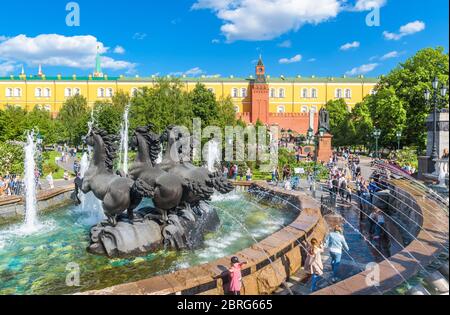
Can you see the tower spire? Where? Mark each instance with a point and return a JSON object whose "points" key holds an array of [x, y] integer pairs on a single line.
{"points": [[40, 73], [98, 64]]}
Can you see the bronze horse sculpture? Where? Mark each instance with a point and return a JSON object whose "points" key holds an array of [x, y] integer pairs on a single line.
{"points": [[165, 189], [179, 191], [114, 191]]}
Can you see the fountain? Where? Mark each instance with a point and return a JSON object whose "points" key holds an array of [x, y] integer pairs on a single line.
{"points": [[31, 221], [179, 214], [123, 164], [213, 155]]}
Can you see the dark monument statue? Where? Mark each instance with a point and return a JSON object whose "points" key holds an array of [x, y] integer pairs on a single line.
{"points": [[180, 192], [324, 120]]}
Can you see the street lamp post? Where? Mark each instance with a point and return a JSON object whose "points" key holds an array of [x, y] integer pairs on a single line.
{"points": [[435, 102], [376, 135], [399, 138]]}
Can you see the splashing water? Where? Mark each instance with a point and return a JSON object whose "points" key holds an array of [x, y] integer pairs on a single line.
{"points": [[213, 155], [31, 221], [124, 141], [90, 205]]}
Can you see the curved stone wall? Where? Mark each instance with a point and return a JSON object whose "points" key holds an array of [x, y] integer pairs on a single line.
{"points": [[431, 240], [13, 207], [259, 276]]}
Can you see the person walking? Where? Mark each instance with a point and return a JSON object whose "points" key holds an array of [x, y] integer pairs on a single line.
{"points": [[50, 180], [335, 242], [313, 263], [248, 175]]}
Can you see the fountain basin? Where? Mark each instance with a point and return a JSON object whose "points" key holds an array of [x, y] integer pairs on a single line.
{"points": [[37, 264], [430, 242]]}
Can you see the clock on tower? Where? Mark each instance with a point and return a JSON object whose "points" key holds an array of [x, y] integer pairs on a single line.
{"points": [[260, 71]]}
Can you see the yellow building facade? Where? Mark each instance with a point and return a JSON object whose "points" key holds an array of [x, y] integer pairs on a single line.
{"points": [[286, 95]]}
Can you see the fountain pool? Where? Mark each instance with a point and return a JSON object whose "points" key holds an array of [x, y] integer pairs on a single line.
{"points": [[36, 263]]}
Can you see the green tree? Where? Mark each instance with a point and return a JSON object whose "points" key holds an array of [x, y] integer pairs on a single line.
{"points": [[409, 81], [163, 105], [204, 105], [388, 115], [12, 123], [108, 117], [339, 122], [74, 116], [361, 125], [11, 159], [42, 121]]}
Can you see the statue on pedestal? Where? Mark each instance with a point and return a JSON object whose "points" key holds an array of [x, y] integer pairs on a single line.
{"points": [[324, 120]]}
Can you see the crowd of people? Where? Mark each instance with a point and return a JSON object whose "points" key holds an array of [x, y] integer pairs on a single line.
{"points": [[235, 172], [11, 185]]}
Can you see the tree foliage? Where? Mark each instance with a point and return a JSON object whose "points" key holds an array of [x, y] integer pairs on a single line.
{"points": [[339, 121], [73, 117], [408, 81]]}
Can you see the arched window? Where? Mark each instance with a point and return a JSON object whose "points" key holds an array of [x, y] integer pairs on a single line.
{"points": [[235, 92], [282, 93], [48, 108], [17, 92], [38, 92], [9, 92], [304, 109], [273, 93], [314, 93], [109, 92], [76, 91], [372, 92], [338, 93], [212, 90], [280, 109], [47, 92], [101, 92], [305, 93], [314, 109], [236, 109], [134, 91], [244, 92], [67, 92], [348, 93]]}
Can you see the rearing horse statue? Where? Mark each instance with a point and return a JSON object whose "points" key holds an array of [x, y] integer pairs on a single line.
{"points": [[114, 191], [165, 189]]}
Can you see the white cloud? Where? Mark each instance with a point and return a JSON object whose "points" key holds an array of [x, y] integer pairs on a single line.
{"points": [[139, 36], [7, 68], [255, 20], [58, 50], [296, 58], [362, 69], [285, 44], [3, 38], [368, 5], [348, 46], [390, 55], [405, 30], [119, 50], [215, 41], [196, 71], [312, 60]]}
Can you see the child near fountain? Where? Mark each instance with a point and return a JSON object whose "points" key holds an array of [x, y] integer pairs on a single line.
{"points": [[236, 276]]}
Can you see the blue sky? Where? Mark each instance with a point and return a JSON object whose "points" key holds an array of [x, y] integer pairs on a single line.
{"points": [[219, 37]]}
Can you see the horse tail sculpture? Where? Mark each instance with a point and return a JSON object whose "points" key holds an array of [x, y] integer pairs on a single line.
{"points": [[141, 189], [200, 191], [221, 184]]}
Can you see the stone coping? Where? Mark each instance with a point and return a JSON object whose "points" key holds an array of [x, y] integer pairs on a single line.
{"points": [[429, 244], [259, 275], [42, 195]]}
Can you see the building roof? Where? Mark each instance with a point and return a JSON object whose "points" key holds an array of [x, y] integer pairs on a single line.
{"points": [[197, 79]]}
